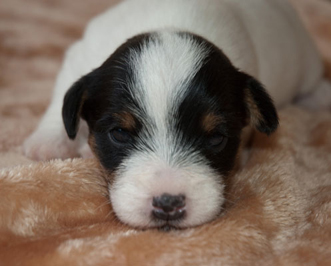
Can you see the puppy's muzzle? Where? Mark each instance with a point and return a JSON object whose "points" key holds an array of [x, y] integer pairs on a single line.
{"points": [[168, 207]]}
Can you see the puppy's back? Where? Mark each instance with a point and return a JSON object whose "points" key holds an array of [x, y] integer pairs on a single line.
{"points": [[263, 38]]}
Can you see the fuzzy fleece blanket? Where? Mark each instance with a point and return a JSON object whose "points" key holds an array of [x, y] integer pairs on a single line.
{"points": [[278, 209]]}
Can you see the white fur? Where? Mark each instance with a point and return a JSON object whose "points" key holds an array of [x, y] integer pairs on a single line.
{"points": [[263, 38], [162, 71], [145, 175]]}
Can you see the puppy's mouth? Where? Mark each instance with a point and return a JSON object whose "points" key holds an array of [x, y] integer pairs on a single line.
{"points": [[168, 228], [168, 217], [168, 224]]}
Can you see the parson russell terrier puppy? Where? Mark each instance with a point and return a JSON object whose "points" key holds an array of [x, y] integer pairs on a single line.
{"points": [[162, 91]]}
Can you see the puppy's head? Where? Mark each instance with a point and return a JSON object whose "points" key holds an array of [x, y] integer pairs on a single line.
{"points": [[165, 114]]}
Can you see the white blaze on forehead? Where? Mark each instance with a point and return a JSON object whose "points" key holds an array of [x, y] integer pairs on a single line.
{"points": [[163, 70]]}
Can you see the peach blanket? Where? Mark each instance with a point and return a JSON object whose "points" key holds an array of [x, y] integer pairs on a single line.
{"points": [[57, 213]]}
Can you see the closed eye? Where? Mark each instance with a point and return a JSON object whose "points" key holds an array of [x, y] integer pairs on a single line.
{"points": [[217, 141], [120, 136]]}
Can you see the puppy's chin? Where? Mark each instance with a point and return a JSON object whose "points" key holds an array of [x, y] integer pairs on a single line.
{"points": [[145, 176]]}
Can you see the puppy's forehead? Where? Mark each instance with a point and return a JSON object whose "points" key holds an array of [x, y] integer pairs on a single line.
{"points": [[163, 70]]}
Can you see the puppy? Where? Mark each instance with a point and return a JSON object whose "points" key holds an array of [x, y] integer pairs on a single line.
{"points": [[162, 90]]}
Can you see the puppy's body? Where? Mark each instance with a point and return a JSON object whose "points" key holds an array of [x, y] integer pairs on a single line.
{"points": [[262, 38], [153, 83]]}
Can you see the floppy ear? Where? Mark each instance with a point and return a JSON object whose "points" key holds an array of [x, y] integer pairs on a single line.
{"points": [[261, 110], [72, 107]]}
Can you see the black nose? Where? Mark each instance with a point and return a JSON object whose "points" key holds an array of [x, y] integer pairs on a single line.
{"points": [[169, 207]]}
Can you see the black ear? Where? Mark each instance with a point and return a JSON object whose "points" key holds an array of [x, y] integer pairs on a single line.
{"points": [[72, 107], [262, 113]]}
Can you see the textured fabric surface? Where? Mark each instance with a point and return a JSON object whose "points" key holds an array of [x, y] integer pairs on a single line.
{"points": [[278, 209]]}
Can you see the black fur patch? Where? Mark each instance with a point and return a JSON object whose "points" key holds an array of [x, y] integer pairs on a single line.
{"points": [[217, 88], [106, 94]]}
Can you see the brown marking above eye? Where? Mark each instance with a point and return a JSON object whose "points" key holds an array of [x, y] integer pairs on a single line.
{"points": [[210, 121], [126, 121]]}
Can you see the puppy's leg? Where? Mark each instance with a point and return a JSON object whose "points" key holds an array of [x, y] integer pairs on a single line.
{"points": [[50, 140], [319, 99]]}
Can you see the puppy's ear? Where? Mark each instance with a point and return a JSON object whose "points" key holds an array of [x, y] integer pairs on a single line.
{"points": [[262, 113], [72, 106]]}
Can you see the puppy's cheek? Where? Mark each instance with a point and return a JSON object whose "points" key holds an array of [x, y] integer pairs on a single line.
{"points": [[139, 180], [131, 203], [204, 204], [92, 145]]}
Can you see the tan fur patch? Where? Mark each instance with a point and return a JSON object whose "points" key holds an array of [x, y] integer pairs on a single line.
{"points": [[91, 142], [210, 121], [109, 177], [255, 114], [126, 120]]}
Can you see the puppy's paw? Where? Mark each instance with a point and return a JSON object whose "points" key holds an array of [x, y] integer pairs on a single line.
{"points": [[46, 145]]}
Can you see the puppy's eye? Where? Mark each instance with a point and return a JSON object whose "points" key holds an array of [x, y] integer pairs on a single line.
{"points": [[120, 136], [217, 141]]}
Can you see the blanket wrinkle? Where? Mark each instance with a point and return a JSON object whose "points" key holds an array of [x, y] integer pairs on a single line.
{"points": [[278, 205]]}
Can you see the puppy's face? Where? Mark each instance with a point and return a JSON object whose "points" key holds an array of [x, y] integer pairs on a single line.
{"points": [[165, 114]]}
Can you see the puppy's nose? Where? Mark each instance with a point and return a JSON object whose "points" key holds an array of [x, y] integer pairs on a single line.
{"points": [[169, 207]]}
